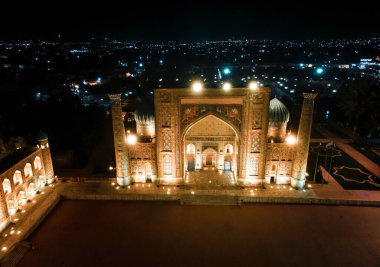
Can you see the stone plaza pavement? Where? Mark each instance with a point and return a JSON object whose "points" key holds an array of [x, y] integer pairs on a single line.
{"points": [[12, 241], [352, 152]]}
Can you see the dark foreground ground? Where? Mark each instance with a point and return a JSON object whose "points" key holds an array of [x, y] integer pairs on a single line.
{"points": [[110, 233]]}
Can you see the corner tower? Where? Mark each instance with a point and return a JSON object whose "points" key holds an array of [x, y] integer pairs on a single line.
{"points": [[278, 120], [303, 141], [43, 143], [121, 155]]}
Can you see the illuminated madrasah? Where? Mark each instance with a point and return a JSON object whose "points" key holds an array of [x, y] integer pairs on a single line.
{"points": [[199, 132]]}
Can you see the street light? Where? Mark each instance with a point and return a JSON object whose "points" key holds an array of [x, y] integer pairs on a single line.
{"points": [[197, 87]]}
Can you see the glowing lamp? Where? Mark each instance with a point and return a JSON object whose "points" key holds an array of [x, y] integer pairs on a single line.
{"points": [[131, 139], [290, 139], [197, 87], [227, 86], [253, 86]]}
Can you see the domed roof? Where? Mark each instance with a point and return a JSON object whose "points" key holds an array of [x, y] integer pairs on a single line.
{"points": [[278, 113], [144, 111], [41, 136], [130, 103]]}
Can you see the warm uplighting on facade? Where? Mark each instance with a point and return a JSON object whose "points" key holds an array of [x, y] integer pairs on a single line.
{"points": [[197, 87], [131, 139], [253, 86], [227, 87], [291, 139]]}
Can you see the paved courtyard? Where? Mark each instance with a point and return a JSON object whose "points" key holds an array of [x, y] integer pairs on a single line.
{"points": [[121, 233], [207, 179]]}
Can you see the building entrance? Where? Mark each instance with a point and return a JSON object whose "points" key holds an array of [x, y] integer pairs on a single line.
{"points": [[209, 151]]}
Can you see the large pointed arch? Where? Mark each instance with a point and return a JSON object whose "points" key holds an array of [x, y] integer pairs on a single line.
{"points": [[210, 133], [200, 118]]}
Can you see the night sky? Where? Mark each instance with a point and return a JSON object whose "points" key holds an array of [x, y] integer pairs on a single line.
{"points": [[190, 20]]}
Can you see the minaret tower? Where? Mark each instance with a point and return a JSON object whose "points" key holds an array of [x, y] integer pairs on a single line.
{"points": [[43, 143], [303, 140], [121, 155]]}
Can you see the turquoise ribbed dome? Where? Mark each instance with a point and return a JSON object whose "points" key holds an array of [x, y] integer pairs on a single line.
{"points": [[278, 113], [41, 136], [145, 113]]}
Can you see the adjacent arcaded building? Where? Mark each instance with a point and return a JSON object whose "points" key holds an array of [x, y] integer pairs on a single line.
{"points": [[23, 174], [240, 132]]}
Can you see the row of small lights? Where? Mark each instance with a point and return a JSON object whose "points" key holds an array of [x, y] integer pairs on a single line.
{"points": [[13, 230], [198, 86], [168, 189], [290, 188], [252, 193]]}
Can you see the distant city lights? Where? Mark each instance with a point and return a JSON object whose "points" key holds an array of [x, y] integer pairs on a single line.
{"points": [[226, 71], [320, 70]]}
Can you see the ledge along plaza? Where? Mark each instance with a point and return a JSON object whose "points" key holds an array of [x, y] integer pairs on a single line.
{"points": [[192, 183]]}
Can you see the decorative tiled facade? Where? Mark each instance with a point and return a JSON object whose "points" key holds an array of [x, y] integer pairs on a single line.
{"points": [[218, 131]]}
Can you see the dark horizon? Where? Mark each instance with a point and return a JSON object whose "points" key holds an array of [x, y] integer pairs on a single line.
{"points": [[190, 21]]}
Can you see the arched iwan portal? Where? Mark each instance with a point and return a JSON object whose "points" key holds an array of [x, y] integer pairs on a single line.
{"points": [[204, 149]]}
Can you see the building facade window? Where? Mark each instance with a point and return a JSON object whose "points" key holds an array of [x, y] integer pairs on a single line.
{"points": [[28, 170], [167, 165]]}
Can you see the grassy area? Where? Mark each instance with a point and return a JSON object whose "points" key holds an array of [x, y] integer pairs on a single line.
{"points": [[367, 152], [346, 169]]}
